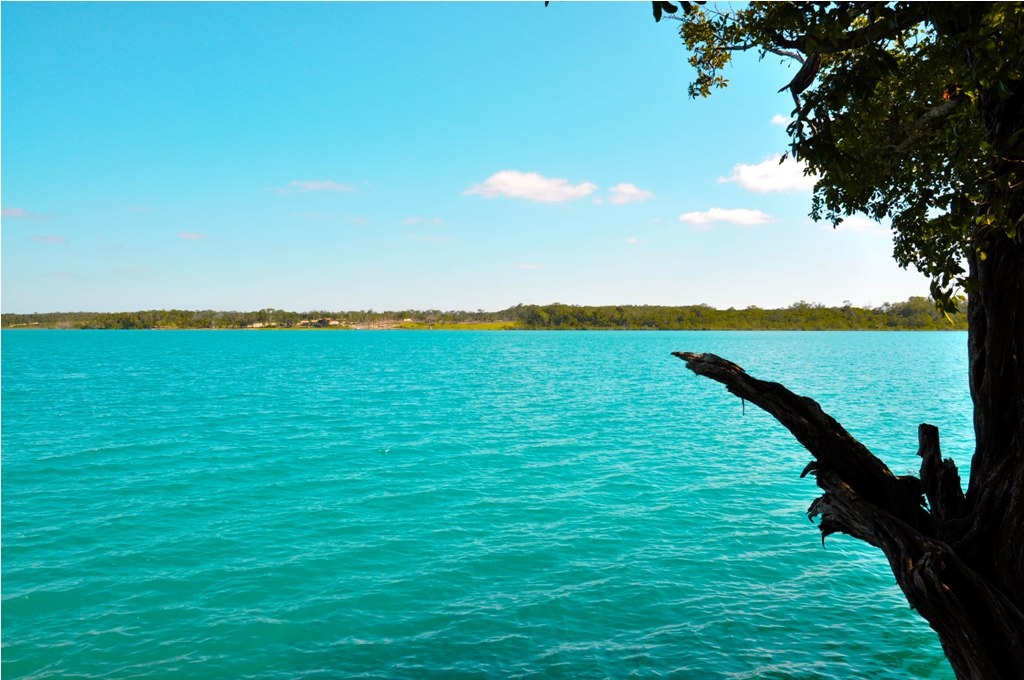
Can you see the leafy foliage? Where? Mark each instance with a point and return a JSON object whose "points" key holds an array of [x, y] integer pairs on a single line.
{"points": [[890, 115]]}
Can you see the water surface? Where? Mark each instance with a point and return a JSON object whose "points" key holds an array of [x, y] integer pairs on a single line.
{"points": [[336, 504]]}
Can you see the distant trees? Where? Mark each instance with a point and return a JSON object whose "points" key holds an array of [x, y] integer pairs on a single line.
{"points": [[917, 313]]}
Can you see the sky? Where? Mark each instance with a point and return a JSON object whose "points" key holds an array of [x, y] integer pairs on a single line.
{"points": [[394, 156]]}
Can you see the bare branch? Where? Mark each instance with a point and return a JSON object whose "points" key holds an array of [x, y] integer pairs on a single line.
{"points": [[885, 29], [804, 77], [978, 624], [918, 128], [790, 54], [831, 445]]}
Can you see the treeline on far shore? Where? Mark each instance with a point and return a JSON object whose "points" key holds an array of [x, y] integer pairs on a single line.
{"points": [[917, 313]]}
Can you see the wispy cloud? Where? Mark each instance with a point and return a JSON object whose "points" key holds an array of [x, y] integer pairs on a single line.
{"points": [[190, 236], [742, 216], [421, 220], [131, 272], [779, 119], [19, 214], [430, 238], [625, 192], [633, 241], [529, 266], [530, 186], [297, 186], [50, 239], [771, 175]]}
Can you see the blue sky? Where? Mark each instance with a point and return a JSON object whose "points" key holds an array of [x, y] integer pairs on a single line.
{"points": [[344, 156]]}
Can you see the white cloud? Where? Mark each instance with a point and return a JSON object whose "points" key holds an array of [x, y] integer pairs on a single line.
{"points": [[190, 235], [779, 119], [742, 216], [628, 193], [771, 175], [531, 186], [19, 214], [529, 266], [315, 185], [633, 241], [50, 239]]}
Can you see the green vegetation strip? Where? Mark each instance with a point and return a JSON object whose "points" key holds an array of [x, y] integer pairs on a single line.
{"points": [[917, 313]]}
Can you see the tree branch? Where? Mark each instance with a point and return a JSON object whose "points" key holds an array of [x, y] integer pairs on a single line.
{"points": [[832, 446], [916, 129], [978, 624], [896, 23]]}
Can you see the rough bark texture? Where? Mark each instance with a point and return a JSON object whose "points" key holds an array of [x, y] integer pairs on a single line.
{"points": [[956, 560]]}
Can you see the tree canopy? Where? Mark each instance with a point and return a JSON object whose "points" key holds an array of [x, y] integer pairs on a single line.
{"points": [[895, 109]]}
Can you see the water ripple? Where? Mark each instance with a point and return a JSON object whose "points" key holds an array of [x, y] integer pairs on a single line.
{"points": [[445, 505]]}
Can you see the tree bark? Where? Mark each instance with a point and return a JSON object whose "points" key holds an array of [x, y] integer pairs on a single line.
{"points": [[944, 555], [994, 540]]}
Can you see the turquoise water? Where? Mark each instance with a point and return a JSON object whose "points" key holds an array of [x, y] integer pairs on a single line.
{"points": [[448, 505]]}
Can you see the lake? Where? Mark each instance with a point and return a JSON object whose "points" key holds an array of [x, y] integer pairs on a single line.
{"points": [[431, 504]]}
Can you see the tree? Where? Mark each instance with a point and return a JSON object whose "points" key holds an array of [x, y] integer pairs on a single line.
{"points": [[914, 112]]}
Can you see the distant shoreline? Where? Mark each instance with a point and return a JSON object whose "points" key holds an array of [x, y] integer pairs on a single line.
{"points": [[917, 313], [471, 329]]}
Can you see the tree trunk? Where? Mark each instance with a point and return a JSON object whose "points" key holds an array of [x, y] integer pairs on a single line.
{"points": [[959, 559], [993, 541]]}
